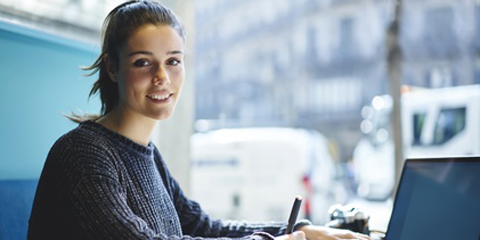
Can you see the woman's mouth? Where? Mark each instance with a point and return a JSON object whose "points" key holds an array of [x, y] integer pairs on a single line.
{"points": [[160, 98]]}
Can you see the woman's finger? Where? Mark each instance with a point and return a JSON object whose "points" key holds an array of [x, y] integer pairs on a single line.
{"points": [[299, 235]]}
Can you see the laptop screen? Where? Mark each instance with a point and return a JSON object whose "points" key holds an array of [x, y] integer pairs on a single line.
{"points": [[437, 199]]}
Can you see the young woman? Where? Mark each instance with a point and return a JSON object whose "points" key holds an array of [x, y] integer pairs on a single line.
{"points": [[105, 179]]}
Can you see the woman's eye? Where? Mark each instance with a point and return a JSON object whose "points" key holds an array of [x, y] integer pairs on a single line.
{"points": [[173, 62], [141, 63]]}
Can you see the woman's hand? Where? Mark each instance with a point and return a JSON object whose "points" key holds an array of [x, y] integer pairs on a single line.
{"points": [[298, 235], [324, 233]]}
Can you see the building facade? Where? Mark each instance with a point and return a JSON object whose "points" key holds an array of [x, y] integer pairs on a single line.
{"points": [[316, 63]]}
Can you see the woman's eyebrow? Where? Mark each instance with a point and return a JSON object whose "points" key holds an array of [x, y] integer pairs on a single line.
{"points": [[174, 52], [140, 52], [150, 53]]}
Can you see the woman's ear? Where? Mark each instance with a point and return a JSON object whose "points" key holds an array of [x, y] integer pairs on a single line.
{"points": [[111, 68]]}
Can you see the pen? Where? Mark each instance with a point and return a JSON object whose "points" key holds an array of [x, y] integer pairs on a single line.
{"points": [[293, 215]]}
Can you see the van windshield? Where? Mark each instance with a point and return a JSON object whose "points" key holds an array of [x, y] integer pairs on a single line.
{"points": [[450, 122]]}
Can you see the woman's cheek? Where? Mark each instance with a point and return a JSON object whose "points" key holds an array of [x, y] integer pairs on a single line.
{"points": [[138, 76], [178, 74]]}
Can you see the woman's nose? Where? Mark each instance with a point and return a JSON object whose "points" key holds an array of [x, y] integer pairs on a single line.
{"points": [[161, 76]]}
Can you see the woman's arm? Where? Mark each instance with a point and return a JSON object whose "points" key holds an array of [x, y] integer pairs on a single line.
{"points": [[99, 205], [196, 222], [93, 200], [102, 212]]}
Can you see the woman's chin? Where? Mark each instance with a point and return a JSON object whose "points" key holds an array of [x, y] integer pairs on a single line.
{"points": [[162, 116]]}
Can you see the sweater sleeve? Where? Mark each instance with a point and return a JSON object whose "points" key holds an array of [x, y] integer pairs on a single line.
{"points": [[196, 222], [99, 204], [103, 213]]}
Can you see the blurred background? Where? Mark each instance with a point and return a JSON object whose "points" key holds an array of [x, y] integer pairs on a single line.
{"points": [[283, 97]]}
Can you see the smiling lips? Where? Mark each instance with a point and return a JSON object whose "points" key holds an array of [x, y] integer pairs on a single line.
{"points": [[160, 96]]}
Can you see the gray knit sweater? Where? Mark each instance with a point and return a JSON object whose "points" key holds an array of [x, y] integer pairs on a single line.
{"points": [[97, 184]]}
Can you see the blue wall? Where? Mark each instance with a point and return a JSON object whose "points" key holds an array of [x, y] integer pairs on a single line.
{"points": [[40, 78]]}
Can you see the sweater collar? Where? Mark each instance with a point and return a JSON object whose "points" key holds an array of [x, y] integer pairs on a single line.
{"points": [[127, 142]]}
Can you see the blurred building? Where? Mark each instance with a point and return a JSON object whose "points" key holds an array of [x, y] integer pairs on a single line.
{"points": [[315, 63]]}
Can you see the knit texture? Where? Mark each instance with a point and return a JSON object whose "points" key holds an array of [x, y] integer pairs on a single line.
{"points": [[97, 184]]}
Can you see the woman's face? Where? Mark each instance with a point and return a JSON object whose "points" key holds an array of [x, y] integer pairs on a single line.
{"points": [[150, 72]]}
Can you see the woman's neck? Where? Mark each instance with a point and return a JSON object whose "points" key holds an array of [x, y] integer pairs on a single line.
{"points": [[133, 126]]}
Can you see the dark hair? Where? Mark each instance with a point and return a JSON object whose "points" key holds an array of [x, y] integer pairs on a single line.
{"points": [[120, 24]]}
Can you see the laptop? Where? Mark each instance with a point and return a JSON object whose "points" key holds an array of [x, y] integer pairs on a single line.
{"points": [[437, 198]]}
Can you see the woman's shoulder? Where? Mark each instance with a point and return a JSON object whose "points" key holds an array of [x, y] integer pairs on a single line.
{"points": [[88, 131], [82, 153], [87, 137], [81, 148]]}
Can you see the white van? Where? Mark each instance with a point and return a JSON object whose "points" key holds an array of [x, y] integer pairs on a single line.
{"points": [[442, 121], [255, 173], [435, 122]]}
